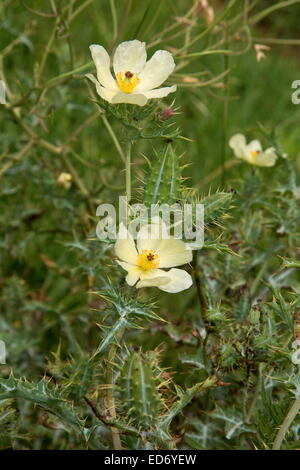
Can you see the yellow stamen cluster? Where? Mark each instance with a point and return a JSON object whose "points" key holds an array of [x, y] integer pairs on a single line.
{"points": [[127, 81], [148, 260], [253, 154]]}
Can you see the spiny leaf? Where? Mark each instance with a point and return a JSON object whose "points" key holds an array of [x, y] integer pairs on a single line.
{"points": [[290, 263], [234, 422], [163, 180], [111, 336], [128, 311], [204, 435], [138, 389], [185, 397], [220, 247], [216, 206], [282, 308], [43, 395]]}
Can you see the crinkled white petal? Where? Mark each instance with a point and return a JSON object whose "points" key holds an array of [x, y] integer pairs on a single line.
{"points": [[153, 278], [104, 93], [254, 146], [156, 70], [179, 280], [160, 92], [150, 235], [133, 272], [172, 281], [130, 56], [125, 247], [131, 98], [238, 144], [252, 150], [267, 158], [152, 273], [102, 62], [173, 253]]}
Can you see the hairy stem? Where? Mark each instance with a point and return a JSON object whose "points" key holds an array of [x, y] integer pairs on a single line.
{"points": [[114, 18], [113, 136], [110, 397], [225, 110], [201, 296], [112, 351], [294, 410]]}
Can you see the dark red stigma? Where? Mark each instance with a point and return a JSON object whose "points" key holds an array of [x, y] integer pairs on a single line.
{"points": [[128, 74], [150, 257]]}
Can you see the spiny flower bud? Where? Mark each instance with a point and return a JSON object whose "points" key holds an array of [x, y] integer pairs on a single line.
{"points": [[166, 113]]}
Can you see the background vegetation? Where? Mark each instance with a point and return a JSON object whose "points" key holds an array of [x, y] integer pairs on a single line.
{"points": [[218, 369]]}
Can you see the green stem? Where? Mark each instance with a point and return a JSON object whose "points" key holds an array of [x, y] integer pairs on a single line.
{"points": [[259, 276], [79, 183], [201, 295], [82, 68], [256, 395], [111, 407], [113, 136], [225, 110], [110, 397], [128, 171], [294, 410], [110, 401], [114, 18], [255, 19], [46, 53]]}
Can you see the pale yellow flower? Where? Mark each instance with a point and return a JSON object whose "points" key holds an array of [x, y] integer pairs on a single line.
{"points": [[64, 180], [252, 152], [154, 250], [135, 80]]}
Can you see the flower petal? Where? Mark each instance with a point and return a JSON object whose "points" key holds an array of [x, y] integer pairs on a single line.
{"points": [[125, 247], [254, 146], [150, 235], [131, 98], [151, 274], [130, 56], [156, 70], [160, 92], [179, 280], [267, 158], [238, 145], [173, 252], [153, 278], [252, 152], [104, 93], [134, 272], [102, 62], [173, 281]]}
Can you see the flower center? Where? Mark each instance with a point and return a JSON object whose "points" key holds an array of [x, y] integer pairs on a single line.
{"points": [[148, 260], [127, 81], [253, 154]]}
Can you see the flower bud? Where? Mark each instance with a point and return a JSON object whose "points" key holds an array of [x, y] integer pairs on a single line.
{"points": [[64, 180]]}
